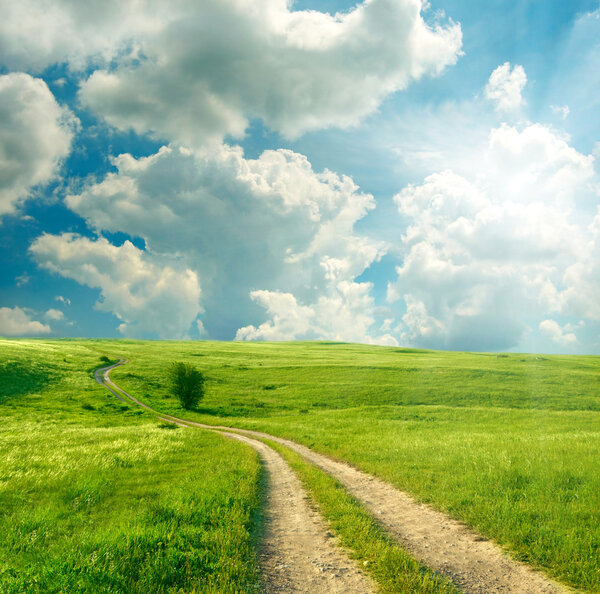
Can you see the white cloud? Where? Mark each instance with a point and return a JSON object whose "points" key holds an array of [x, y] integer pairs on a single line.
{"points": [[63, 300], [505, 86], [241, 224], [193, 73], [345, 313], [537, 164], [581, 280], [149, 296], [35, 136], [483, 254], [54, 314], [214, 65], [561, 110], [289, 319], [201, 329], [35, 34], [17, 322], [421, 327], [558, 334]]}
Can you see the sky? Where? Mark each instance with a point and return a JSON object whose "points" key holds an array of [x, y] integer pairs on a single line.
{"points": [[395, 172]]}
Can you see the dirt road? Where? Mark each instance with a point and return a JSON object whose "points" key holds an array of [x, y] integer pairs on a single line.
{"points": [[298, 553], [473, 563]]}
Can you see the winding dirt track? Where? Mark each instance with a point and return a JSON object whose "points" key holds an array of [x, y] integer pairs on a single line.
{"points": [[298, 554], [473, 563]]}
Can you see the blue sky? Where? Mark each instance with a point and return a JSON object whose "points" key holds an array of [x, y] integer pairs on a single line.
{"points": [[390, 172]]}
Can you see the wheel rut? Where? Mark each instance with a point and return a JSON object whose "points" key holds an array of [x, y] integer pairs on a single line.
{"points": [[298, 553], [473, 563]]}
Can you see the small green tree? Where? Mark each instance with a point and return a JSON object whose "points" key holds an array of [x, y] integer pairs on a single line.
{"points": [[187, 383]]}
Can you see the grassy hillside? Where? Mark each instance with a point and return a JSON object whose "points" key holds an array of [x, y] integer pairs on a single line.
{"points": [[507, 443], [98, 497]]}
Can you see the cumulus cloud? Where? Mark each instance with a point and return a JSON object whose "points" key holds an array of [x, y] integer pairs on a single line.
{"points": [[214, 65], [505, 86], [290, 320], [420, 326], [538, 164], [581, 280], [190, 71], [54, 314], [560, 335], [17, 322], [482, 254], [35, 136], [270, 223], [194, 73], [35, 34], [149, 296], [345, 313]]}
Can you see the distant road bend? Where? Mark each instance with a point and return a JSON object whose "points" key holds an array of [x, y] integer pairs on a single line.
{"points": [[471, 561]]}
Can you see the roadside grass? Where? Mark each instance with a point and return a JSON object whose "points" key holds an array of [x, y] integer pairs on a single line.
{"points": [[100, 497], [508, 444], [529, 482], [390, 566]]}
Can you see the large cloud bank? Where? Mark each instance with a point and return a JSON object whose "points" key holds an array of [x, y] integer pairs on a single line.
{"points": [[483, 255], [227, 62], [499, 243], [220, 231], [243, 224], [194, 71]]}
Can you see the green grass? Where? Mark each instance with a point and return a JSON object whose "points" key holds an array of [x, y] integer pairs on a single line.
{"points": [[508, 444], [96, 496], [390, 566]]}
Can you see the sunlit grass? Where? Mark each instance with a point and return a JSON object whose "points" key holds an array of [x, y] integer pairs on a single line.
{"points": [[99, 497], [507, 443]]}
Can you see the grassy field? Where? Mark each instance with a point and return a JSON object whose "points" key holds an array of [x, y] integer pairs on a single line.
{"points": [[507, 443], [99, 497]]}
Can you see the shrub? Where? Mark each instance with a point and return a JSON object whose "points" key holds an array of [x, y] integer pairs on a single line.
{"points": [[187, 383]]}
